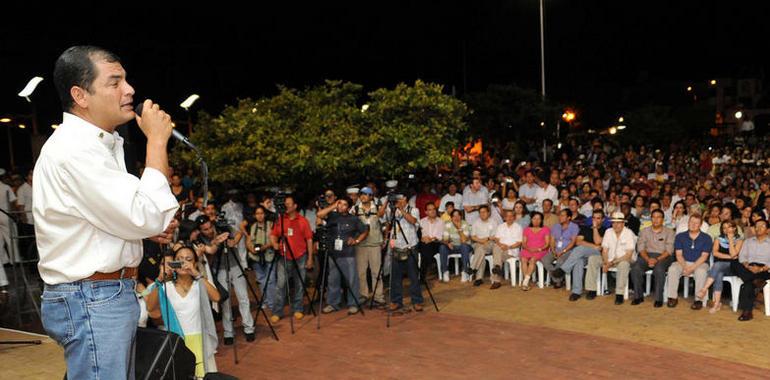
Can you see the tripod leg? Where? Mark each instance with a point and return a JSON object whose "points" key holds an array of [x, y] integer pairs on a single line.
{"points": [[317, 288], [323, 286], [383, 255], [261, 301], [288, 292], [425, 282], [350, 288]]}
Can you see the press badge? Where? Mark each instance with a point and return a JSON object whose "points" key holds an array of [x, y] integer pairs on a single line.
{"points": [[559, 244], [337, 244], [289, 232]]}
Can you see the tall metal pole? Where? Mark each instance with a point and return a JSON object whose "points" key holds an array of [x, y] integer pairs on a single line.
{"points": [[542, 73]]}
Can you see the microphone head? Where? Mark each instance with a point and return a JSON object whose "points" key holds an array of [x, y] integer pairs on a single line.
{"points": [[138, 109]]}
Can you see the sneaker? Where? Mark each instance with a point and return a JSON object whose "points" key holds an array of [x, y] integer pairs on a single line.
{"points": [[618, 299], [353, 310], [465, 277], [394, 307], [418, 307], [328, 309], [298, 315], [445, 277], [478, 282], [574, 297], [274, 319], [591, 294], [229, 341], [250, 337]]}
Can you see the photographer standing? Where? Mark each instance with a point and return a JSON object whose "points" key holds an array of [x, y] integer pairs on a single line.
{"points": [[217, 245], [368, 251], [298, 258], [261, 253], [183, 297], [403, 243], [345, 232]]}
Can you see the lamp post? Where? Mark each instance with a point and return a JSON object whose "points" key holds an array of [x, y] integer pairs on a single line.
{"points": [[186, 104], [542, 73]]}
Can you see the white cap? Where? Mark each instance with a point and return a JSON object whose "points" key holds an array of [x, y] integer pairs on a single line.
{"points": [[352, 190]]}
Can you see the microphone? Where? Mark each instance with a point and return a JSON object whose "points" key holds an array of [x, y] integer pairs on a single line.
{"points": [[177, 135]]}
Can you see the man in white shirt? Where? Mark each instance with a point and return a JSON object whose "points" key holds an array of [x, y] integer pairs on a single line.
{"points": [[545, 191], [91, 214], [432, 232], [483, 237], [24, 199], [618, 251], [452, 196], [508, 238], [473, 198]]}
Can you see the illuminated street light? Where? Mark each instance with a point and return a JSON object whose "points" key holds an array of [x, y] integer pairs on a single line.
{"points": [[364, 107], [689, 88], [613, 130], [30, 88], [5, 120], [713, 82], [738, 114], [568, 116], [22, 126], [187, 103], [620, 119], [621, 127]]}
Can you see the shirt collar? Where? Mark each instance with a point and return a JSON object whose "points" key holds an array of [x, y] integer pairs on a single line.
{"points": [[90, 131]]}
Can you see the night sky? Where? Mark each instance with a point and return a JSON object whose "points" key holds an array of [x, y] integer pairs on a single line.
{"points": [[594, 49]]}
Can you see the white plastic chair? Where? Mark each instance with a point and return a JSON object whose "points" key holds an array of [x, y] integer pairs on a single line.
{"points": [[542, 277], [735, 289], [766, 291], [601, 283], [514, 266], [490, 264], [456, 256]]}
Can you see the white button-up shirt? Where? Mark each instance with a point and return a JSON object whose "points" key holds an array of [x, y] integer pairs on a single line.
{"points": [[617, 246], [90, 214], [510, 235], [434, 229]]}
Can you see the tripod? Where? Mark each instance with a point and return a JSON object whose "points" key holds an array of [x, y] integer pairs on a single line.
{"points": [[395, 225], [351, 291], [283, 242], [229, 251]]}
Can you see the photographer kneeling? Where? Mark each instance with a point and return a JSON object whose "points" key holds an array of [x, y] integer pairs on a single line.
{"points": [[345, 231], [184, 297]]}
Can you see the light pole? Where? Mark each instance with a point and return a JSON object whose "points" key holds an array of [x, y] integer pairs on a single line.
{"points": [[186, 104], [542, 73]]}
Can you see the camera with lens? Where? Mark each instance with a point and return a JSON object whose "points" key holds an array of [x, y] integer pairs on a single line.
{"points": [[322, 202], [221, 224], [261, 254], [279, 201]]}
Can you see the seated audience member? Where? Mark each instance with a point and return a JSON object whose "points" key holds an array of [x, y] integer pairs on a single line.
{"points": [[656, 249], [508, 238], [753, 264], [618, 251], [725, 249], [692, 252], [456, 239], [535, 245]]}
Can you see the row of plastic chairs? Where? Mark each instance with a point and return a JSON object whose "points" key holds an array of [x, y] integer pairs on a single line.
{"points": [[543, 278]]}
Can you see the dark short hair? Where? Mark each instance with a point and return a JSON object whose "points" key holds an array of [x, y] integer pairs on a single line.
{"points": [[484, 207], [598, 211], [658, 211], [75, 67], [448, 204], [567, 211]]}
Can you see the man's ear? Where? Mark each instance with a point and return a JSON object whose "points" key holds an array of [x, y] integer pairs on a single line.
{"points": [[78, 95]]}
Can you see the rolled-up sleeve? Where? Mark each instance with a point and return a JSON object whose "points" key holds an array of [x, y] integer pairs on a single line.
{"points": [[117, 202]]}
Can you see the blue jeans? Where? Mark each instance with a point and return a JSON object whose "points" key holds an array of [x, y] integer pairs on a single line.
{"points": [[465, 251], [574, 264], [348, 267], [266, 288], [408, 266], [281, 284], [718, 271], [95, 322]]}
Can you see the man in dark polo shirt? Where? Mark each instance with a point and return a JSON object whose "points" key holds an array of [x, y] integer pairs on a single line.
{"points": [[345, 231], [298, 234], [692, 248]]}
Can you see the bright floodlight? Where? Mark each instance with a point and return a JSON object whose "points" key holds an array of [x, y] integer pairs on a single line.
{"points": [[738, 114], [187, 103], [364, 107], [621, 127], [30, 87], [613, 131], [5, 120]]}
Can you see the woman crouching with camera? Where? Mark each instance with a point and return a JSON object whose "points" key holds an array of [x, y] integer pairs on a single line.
{"points": [[184, 298]]}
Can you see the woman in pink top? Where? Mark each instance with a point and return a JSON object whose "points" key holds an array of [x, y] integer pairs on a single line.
{"points": [[534, 247]]}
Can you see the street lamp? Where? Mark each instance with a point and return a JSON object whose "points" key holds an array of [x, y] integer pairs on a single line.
{"points": [[613, 130], [186, 104], [30, 88], [738, 114], [713, 82], [689, 88]]}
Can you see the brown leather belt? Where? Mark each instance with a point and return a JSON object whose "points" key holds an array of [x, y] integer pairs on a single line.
{"points": [[125, 273]]}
